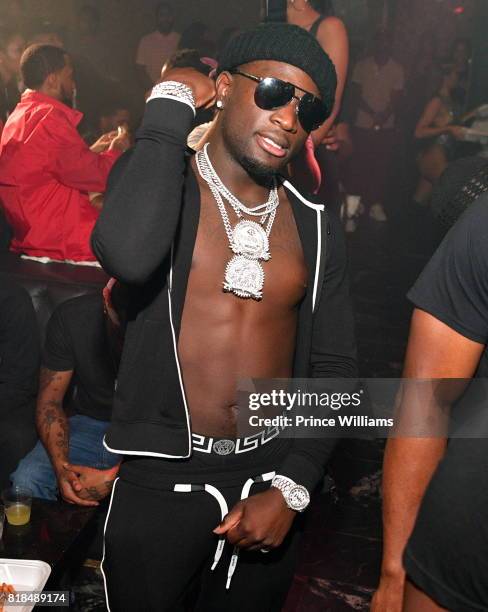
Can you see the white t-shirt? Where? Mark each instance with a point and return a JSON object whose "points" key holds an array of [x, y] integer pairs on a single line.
{"points": [[153, 51], [377, 85]]}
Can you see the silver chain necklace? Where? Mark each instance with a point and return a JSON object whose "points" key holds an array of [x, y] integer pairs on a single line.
{"points": [[249, 241], [209, 175]]}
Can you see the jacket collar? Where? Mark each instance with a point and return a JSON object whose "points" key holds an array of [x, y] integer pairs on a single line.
{"points": [[36, 98]]}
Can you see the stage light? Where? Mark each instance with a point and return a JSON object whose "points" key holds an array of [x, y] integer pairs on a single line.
{"points": [[459, 10]]}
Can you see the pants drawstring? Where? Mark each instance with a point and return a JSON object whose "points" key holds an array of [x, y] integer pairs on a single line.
{"points": [[224, 510], [246, 489]]}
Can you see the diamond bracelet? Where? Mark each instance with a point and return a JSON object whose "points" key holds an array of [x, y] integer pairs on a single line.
{"points": [[173, 90]]}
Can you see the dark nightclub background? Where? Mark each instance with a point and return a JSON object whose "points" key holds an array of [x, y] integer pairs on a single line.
{"points": [[339, 566], [123, 22]]}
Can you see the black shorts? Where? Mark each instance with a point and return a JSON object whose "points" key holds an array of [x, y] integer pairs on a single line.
{"points": [[447, 554]]}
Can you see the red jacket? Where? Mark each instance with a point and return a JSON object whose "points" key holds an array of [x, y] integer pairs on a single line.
{"points": [[46, 172]]}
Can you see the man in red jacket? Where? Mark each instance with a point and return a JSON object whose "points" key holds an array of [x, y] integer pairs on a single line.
{"points": [[46, 170]]}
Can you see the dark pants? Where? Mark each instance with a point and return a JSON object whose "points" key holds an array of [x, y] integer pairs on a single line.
{"points": [[17, 437], [369, 168], [159, 543], [328, 192]]}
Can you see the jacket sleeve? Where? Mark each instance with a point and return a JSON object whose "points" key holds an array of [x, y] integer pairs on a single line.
{"points": [[136, 227], [333, 356], [75, 165]]}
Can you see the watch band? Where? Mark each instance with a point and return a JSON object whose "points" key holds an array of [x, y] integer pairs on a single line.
{"points": [[296, 496]]}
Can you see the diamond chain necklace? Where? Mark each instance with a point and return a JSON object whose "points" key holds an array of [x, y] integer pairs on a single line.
{"points": [[208, 173], [244, 275]]}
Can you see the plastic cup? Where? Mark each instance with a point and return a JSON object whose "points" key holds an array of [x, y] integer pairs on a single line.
{"points": [[17, 502]]}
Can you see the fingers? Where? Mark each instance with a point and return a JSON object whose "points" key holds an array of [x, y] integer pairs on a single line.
{"points": [[74, 468], [71, 476], [70, 496], [250, 540], [230, 521], [244, 536], [212, 101]]}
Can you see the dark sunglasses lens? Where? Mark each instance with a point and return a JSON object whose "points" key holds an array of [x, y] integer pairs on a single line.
{"points": [[272, 93], [312, 112]]}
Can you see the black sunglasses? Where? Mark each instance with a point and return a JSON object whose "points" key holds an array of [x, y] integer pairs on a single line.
{"points": [[272, 93]]}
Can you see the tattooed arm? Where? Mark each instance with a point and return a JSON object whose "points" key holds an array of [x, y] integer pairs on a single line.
{"points": [[53, 428], [51, 420]]}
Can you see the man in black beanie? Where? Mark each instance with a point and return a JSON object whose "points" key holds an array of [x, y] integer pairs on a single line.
{"points": [[198, 501]]}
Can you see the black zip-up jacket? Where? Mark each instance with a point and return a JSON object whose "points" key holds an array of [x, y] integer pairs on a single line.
{"points": [[145, 237]]}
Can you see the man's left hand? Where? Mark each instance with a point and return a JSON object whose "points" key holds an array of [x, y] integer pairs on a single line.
{"points": [[331, 140], [260, 521], [97, 484]]}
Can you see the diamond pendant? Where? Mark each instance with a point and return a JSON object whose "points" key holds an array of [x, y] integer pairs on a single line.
{"points": [[244, 278], [250, 239]]}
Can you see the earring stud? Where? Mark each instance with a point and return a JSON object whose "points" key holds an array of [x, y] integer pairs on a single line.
{"points": [[220, 104]]}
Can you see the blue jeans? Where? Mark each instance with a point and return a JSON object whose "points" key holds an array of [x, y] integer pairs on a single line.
{"points": [[36, 472]]}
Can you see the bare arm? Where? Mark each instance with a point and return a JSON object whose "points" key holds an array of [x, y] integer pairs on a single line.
{"points": [[434, 351], [424, 127], [51, 420], [332, 36], [53, 427]]}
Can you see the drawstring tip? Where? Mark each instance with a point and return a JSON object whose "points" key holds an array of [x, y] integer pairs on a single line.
{"points": [[218, 553], [232, 566]]}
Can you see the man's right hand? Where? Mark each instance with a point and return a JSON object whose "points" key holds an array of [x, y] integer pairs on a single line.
{"points": [[204, 89], [69, 486], [458, 131], [389, 595], [121, 142], [103, 143]]}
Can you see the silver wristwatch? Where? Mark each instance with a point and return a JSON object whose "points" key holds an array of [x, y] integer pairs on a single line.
{"points": [[296, 496]]}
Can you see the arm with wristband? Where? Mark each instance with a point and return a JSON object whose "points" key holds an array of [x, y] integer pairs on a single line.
{"points": [[141, 210]]}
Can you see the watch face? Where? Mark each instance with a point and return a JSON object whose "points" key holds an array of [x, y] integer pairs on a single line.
{"points": [[298, 498]]}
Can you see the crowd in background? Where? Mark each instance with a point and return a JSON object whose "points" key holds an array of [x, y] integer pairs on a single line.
{"points": [[410, 145]]}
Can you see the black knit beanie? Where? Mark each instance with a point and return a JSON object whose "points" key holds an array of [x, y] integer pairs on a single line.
{"points": [[283, 42]]}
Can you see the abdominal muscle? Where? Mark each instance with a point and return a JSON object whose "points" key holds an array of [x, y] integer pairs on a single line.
{"points": [[222, 343]]}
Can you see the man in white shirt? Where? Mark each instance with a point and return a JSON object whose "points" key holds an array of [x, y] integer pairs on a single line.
{"points": [[380, 80], [158, 46]]}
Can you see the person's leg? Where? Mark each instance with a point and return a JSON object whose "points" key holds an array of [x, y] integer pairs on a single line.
{"points": [[18, 436], [260, 583], [155, 543], [416, 600], [382, 142], [361, 166], [35, 471], [431, 163], [86, 443]]}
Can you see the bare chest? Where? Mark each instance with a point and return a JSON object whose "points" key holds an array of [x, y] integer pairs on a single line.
{"points": [[285, 274]]}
